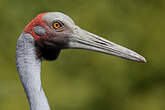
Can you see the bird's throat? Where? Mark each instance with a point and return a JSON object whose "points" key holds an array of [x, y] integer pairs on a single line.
{"points": [[47, 53]]}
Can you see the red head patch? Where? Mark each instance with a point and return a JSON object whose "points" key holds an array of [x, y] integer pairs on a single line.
{"points": [[37, 21]]}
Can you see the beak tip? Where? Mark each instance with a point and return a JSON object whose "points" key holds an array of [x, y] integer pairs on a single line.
{"points": [[143, 60]]}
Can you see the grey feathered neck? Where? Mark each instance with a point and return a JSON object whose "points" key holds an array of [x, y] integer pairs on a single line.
{"points": [[29, 69]]}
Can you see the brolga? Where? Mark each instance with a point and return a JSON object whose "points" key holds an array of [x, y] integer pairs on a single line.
{"points": [[43, 39]]}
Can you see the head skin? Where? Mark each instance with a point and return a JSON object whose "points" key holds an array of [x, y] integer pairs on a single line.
{"points": [[48, 40]]}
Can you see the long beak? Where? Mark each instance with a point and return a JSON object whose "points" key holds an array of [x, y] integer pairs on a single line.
{"points": [[82, 39]]}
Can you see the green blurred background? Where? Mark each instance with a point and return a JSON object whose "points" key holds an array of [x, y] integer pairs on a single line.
{"points": [[84, 80]]}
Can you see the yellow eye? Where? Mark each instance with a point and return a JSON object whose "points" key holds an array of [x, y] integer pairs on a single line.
{"points": [[57, 25]]}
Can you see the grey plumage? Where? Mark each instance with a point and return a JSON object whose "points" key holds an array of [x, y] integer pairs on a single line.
{"points": [[29, 69]]}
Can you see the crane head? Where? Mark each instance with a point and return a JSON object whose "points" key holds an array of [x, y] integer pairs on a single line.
{"points": [[54, 31]]}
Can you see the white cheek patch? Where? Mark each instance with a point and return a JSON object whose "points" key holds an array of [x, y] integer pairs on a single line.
{"points": [[40, 31]]}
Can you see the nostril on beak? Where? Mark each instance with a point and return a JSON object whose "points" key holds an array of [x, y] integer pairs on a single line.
{"points": [[101, 43]]}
